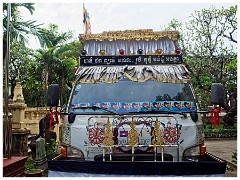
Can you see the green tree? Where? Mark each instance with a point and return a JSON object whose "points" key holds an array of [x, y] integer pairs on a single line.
{"points": [[209, 48], [21, 60], [53, 63], [51, 41], [19, 29], [69, 54], [56, 60]]}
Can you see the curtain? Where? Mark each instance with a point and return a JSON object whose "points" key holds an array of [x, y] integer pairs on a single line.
{"points": [[112, 74], [131, 46]]}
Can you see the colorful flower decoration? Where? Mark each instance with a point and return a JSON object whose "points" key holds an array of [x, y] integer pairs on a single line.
{"points": [[96, 135], [171, 133]]}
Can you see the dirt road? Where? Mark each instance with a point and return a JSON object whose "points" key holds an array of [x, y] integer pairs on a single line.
{"points": [[223, 148]]}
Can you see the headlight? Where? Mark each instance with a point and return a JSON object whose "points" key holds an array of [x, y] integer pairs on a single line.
{"points": [[192, 151], [69, 152]]}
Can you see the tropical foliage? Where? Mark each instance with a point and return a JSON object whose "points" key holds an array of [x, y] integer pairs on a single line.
{"points": [[36, 69], [208, 41], [53, 63], [19, 29]]}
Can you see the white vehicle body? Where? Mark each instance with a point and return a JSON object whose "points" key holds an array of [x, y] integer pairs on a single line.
{"points": [[92, 104]]}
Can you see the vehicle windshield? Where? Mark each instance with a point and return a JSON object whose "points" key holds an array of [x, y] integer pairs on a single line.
{"points": [[130, 96]]}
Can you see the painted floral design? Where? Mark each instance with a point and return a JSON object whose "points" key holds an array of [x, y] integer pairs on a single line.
{"points": [[96, 135], [170, 133]]}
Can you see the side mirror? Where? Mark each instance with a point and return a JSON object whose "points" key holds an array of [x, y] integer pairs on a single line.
{"points": [[217, 94], [53, 95], [194, 116]]}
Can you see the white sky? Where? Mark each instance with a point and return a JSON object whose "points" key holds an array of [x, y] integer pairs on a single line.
{"points": [[105, 16]]}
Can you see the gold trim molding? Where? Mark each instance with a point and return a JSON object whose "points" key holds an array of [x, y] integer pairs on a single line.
{"points": [[147, 34]]}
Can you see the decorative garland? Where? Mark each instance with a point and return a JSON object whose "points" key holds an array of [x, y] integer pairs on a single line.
{"points": [[214, 116], [54, 115]]}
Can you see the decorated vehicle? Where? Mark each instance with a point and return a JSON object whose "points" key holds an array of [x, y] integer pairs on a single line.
{"points": [[132, 110]]}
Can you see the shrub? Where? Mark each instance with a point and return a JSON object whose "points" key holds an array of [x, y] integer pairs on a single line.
{"points": [[234, 156], [29, 164], [51, 149]]}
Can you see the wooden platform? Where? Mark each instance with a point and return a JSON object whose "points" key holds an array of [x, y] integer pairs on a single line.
{"points": [[14, 167]]}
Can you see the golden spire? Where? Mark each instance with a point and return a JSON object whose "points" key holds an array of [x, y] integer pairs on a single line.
{"points": [[133, 135], [157, 135], [108, 135]]}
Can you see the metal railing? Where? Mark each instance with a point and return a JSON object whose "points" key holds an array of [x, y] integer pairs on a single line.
{"points": [[103, 132]]}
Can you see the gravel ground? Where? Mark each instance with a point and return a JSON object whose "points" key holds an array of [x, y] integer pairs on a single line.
{"points": [[223, 148]]}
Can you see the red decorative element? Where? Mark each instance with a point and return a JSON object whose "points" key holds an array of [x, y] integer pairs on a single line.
{"points": [[170, 133], [178, 51], [96, 135], [121, 52], [54, 116], [214, 116], [51, 118]]}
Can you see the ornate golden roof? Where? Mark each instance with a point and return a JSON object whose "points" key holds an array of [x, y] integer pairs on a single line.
{"points": [[142, 34]]}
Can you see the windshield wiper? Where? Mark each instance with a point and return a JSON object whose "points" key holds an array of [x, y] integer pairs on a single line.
{"points": [[95, 108]]}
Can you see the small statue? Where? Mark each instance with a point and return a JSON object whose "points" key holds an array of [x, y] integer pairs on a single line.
{"points": [[46, 127]]}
